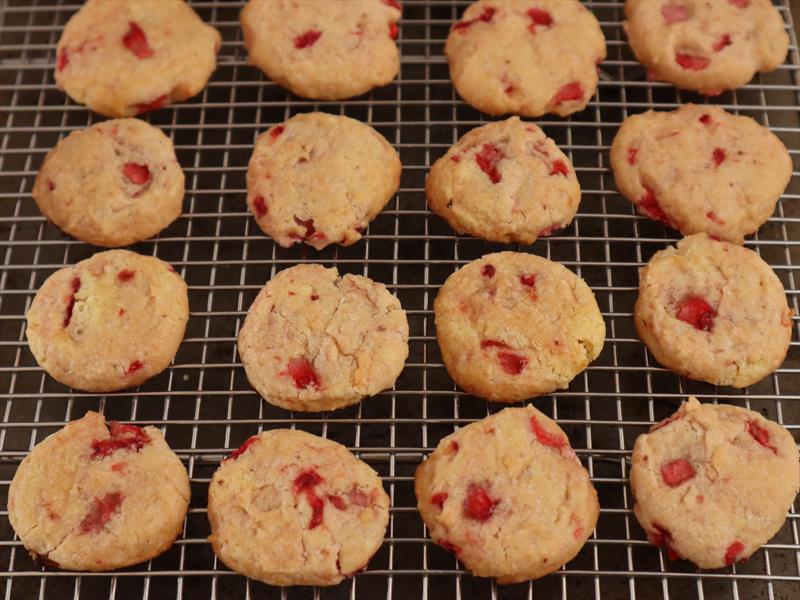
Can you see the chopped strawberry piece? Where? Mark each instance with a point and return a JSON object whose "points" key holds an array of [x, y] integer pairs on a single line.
{"points": [[734, 550], [760, 435], [307, 39], [393, 30], [305, 483], [243, 448], [306, 480], [696, 312], [76, 285], [649, 205], [137, 174], [276, 131], [358, 497], [723, 42], [314, 297], [488, 271], [632, 152], [692, 62], [438, 499], [740, 3], [303, 374], [311, 231], [126, 275], [512, 363], [662, 537], [493, 344], [453, 448], [159, 102], [50, 185], [104, 508], [450, 547], [455, 158], [676, 472], [528, 280], [674, 13], [479, 505], [259, 206], [568, 93], [718, 156], [559, 168], [545, 437], [712, 216], [62, 59], [485, 16], [487, 160], [122, 436], [539, 17], [135, 365], [393, 4], [136, 41], [705, 119], [337, 502]]}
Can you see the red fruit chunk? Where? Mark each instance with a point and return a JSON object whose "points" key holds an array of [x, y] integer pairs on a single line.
{"points": [[305, 483], [122, 436], [307, 39], [50, 185], [512, 363], [696, 312], [722, 42], [393, 4], [479, 505], [450, 547], [740, 3], [485, 16], [393, 31], [62, 60], [314, 297], [545, 437], [559, 168], [674, 13], [276, 131], [712, 216], [676, 472], [358, 497], [243, 448], [760, 435], [438, 499], [260, 206], [539, 17], [303, 374], [692, 62], [137, 174], [135, 365], [104, 508], [488, 271], [528, 280], [568, 92], [493, 344], [311, 231], [734, 550], [649, 205], [662, 537], [306, 480], [718, 156], [126, 275], [705, 119], [154, 105], [487, 160], [453, 447], [632, 152], [136, 41], [337, 502], [76, 285]]}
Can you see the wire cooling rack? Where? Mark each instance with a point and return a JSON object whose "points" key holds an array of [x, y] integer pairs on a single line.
{"points": [[204, 403]]}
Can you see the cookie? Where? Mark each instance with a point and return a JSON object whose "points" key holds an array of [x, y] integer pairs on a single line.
{"points": [[291, 508], [713, 311], [95, 496], [526, 57], [507, 496], [511, 326], [113, 184], [110, 322], [701, 169], [504, 182], [127, 57], [713, 482], [315, 341], [706, 46], [324, 49], [320, 179]]}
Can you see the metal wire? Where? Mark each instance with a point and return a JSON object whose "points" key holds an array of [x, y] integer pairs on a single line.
{"points": [[204, 403]]}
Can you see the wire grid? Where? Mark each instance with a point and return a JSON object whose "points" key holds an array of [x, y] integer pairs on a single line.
{"points": [[204, 403]]}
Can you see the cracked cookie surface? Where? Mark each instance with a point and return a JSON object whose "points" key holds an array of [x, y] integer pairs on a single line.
{"points": [[512, 325], [701, 169], [96, 496], [706, 46], [320, 179], [315, 341], [324, 49], [108, 323], [508, 496], [127, 57], [526, 57], [713, 483], [112, 184], [504, 182], [291, 508], [713, 311]]}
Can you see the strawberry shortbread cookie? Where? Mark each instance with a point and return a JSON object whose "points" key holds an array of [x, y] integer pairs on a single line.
{"points": [[320, 179], [324, 49], [504, 182], [110, 322], [713, 483], [113, 184], [96, 496], [513, 325], [508, 496], [527, 57], [713, 311], [290, 508], [315, 341], [701, 169], [125, 57], [707, 46]]}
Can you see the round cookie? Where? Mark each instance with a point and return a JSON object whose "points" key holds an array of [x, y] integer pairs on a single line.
{"points": [[321, 49], [706, 46], [526, 57], [508, 496], [511, 326], [320, 179], [110, 322], [713, 483], [315, 341], [713, 311], [291, 508], [701, 169], [113, 184], [96, 496], [504, 182], [127, 57]]}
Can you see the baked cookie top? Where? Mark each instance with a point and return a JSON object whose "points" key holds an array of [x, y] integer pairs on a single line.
{"points": [[320, 179], [314, 341], [112, 184], [701, 169], [110, 322], [508, 496], [713, 483], [713, 311], [706, 46], [504, 182], [324, 49], [511, 326], [291, 508], [526, 57], [125, 57], [95, 496]]}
